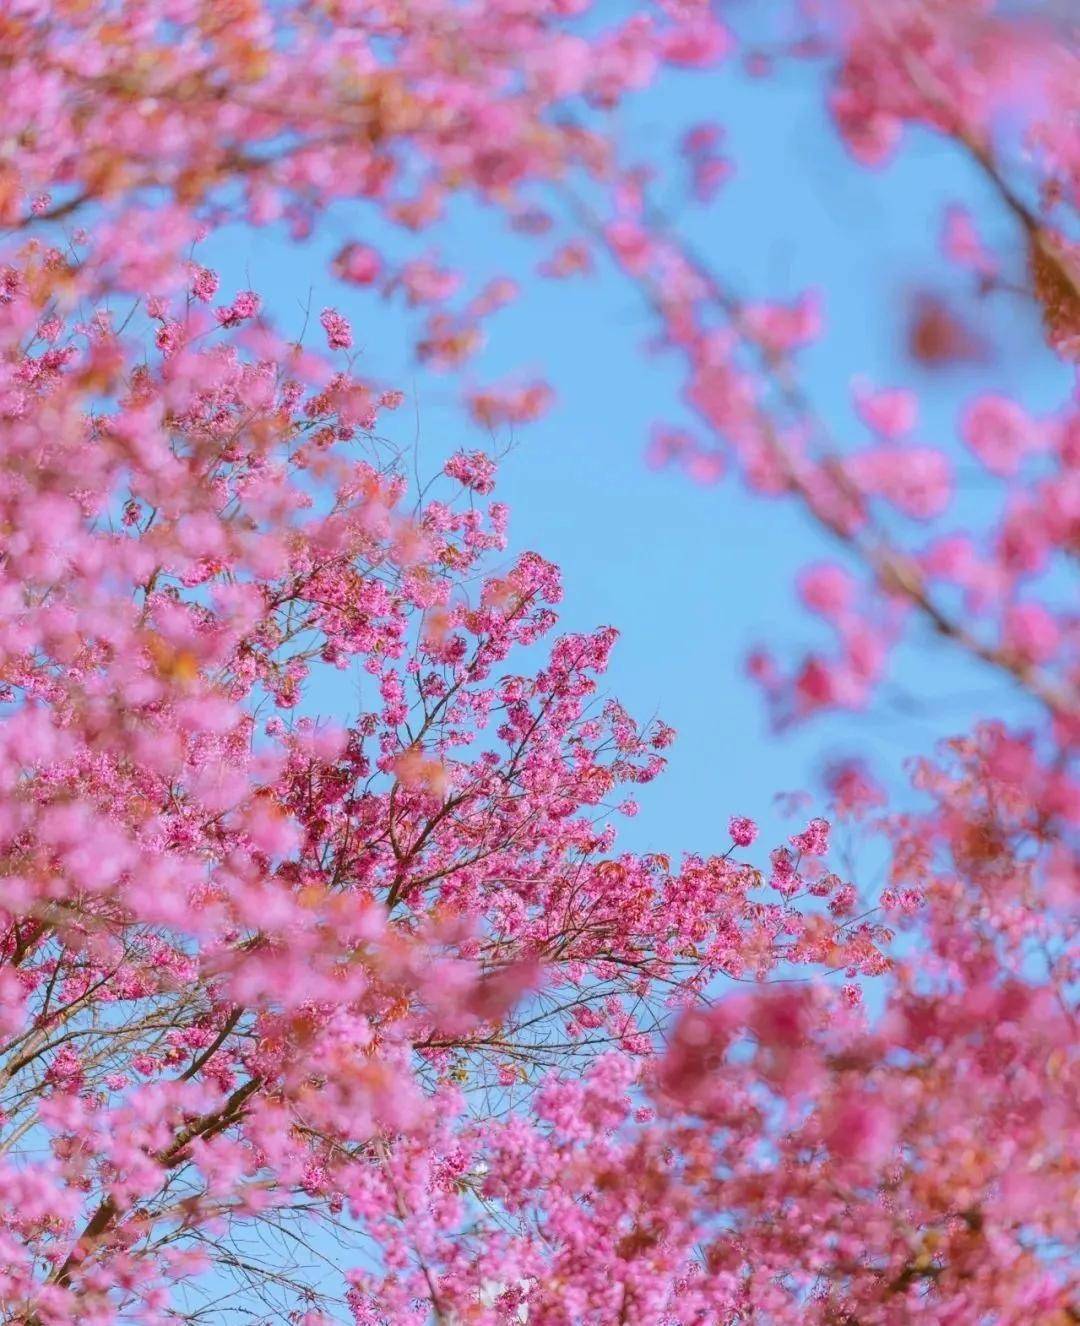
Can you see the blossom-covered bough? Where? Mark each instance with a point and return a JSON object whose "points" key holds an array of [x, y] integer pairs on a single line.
{"points": [[239, 950], [366, 1016]]}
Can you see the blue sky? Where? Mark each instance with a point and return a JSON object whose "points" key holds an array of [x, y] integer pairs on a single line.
{"points": [[693, 576]]}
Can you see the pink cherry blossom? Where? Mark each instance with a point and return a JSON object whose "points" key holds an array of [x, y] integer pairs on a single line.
{"points": [[337, 328], [384, 987], [743, 831]]}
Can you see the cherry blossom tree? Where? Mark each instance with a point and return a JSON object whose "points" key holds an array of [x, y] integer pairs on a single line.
{"points": [[314, 1017]]}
